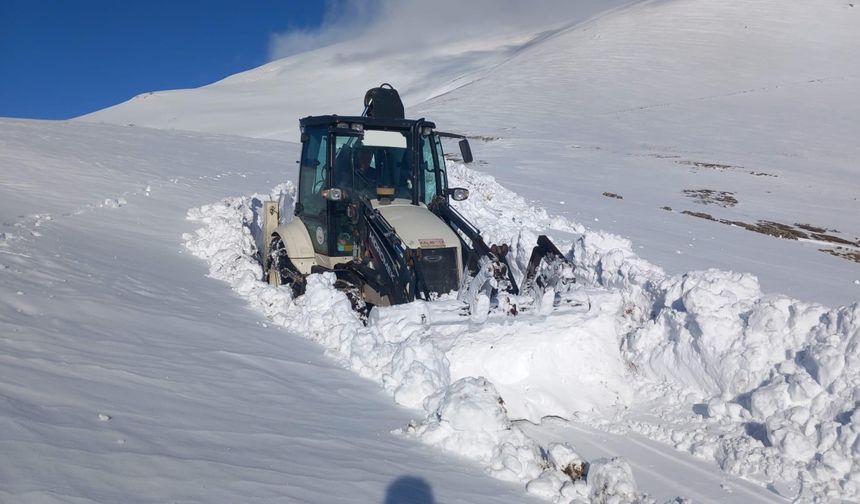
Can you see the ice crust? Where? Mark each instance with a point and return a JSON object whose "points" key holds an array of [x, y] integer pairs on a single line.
{"points": [[774, 382]]}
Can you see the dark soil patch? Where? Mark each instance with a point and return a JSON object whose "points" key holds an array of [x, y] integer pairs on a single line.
{"points": [[797, 232], [814, 229], [769, 228], [777, 229], [711, 166], [701, 215], [824, 234], [724, 199], [834, 239], [723, 167], [844, 253], [574, 471]]}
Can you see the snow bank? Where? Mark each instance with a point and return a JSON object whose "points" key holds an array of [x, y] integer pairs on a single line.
{"points": [[470, 418], [611, 482], [787, 372], [776, 381], [547, 366], [779, 378], [399, 348]]}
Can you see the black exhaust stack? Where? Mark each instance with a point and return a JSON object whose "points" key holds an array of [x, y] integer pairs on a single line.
{"points": [[383, 102]]}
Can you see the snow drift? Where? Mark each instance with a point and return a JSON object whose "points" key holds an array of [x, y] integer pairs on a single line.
{"points": [[128, 376], [464, 414], [645, 102], [709, 337]]}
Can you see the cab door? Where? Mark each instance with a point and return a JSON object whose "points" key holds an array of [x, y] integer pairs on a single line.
{"points": [[314, 168], [434, 178]]}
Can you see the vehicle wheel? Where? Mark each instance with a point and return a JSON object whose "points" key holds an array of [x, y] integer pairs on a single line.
{"points": [[281, 270], [352, 285]]}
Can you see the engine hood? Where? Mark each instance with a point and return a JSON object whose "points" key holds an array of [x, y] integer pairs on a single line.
{"points": [[416, 225]]}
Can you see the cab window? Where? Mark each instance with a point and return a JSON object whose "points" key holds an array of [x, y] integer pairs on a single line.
{"points": [[313, 175], [440, 161], [428, 171], [378, 159]]}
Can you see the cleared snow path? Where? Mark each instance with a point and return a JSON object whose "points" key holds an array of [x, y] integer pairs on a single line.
{"points": [[127, 376], [657, 467]]}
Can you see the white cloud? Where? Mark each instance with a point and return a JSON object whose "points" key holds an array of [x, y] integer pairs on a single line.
{"points": [[342, 20], [386, 25]]}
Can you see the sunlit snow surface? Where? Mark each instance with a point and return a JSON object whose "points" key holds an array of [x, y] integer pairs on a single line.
{"points": [[757, 99], [127, 376], [130, 377], [762, 385]]}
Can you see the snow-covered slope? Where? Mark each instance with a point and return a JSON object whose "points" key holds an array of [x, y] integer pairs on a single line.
{"points": [[692, 127], [741, 111], [763, 385], [267, 102], [734, 111], [128, 376]]}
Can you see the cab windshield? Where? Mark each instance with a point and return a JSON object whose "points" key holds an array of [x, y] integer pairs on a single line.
{"points": [[377, 164]]}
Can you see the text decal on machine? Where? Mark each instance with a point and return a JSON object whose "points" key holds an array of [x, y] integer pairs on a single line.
{"points": [[431, 242]]}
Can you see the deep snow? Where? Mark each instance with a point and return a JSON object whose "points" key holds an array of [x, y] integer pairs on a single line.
{"points": [[128, 376], [122, 366], [763, 385]]}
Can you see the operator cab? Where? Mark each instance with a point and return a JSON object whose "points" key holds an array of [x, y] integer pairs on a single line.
{"points": [[388, 161], [374, 210]]}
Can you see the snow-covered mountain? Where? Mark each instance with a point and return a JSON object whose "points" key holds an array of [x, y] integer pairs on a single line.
{"points": [[735, 111], [653, 140]]}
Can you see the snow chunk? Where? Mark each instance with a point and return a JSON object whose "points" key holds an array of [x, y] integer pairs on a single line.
{"points": [[611, 482], [471, 419], [418, 370]]}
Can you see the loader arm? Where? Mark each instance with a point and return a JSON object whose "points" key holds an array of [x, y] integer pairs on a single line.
{"points": [[386, 264], [497, 254], [476, 248], [383, 249]]}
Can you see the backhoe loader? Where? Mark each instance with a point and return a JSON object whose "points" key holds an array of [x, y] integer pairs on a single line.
{"points": [[374, 206]]}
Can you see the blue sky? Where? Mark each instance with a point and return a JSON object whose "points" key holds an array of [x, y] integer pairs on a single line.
{"points": [[63, 58]]}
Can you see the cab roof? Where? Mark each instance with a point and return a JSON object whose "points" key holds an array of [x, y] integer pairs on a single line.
{"points": [[367, 121]]}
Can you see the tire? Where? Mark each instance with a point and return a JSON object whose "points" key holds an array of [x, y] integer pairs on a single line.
{"points": [[280, 269], [352, 286]]}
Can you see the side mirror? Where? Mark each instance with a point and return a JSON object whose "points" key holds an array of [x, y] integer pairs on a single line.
{"points": [[457, 193], [465, 152]]}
